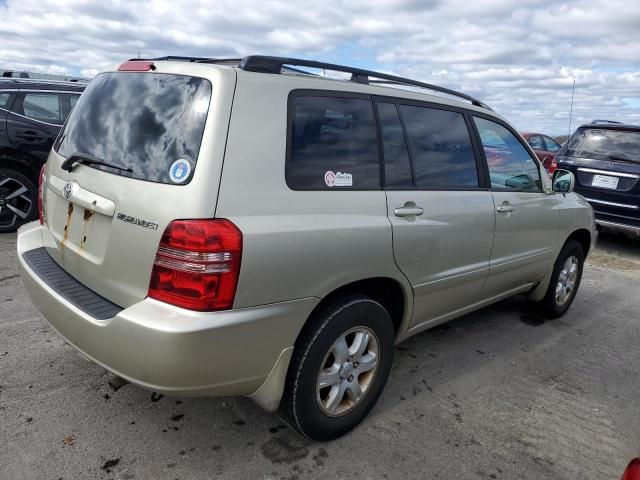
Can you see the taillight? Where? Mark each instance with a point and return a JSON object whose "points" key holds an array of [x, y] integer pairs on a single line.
{"points": [[552, 166], [41, 195], [197, 264]]}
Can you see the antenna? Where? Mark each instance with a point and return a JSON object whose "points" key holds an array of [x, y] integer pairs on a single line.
{"points": [[573, 90]]}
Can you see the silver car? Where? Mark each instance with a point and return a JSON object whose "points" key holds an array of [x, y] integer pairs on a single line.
{"points": [[251, 228]]}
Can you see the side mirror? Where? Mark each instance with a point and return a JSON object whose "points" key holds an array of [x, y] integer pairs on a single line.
{"points": [[563, 181]]}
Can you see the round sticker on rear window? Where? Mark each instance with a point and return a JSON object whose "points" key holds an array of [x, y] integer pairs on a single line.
{"points": [[179, 170]]}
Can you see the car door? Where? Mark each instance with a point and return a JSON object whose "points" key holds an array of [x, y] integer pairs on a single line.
{"points": [[34, 122], [442, 219], [526, 217]]}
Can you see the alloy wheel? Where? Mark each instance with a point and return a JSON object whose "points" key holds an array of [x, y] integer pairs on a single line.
{"points": [[567, 280], [348, 371]]}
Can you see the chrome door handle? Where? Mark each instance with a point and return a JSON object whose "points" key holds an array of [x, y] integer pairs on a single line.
{"points": [[506, 207], [408, 211]]}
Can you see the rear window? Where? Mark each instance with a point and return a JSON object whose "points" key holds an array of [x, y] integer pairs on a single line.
{"points": [[605, 144], [333, 144], [149, 122]]}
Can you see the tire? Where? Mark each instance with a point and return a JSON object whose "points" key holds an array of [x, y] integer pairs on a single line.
{"points": [[317, 412], [558, 299], [18, 200]]}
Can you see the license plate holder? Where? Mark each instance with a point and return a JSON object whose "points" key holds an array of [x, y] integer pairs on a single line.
{"points": [[605, 181]]}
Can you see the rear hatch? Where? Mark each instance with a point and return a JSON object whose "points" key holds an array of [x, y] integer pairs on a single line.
{"points": [[162, 132], [606, 163]]}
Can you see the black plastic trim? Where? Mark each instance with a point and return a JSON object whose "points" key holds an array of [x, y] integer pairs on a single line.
{"points": [[273, 65], [68, 287]]}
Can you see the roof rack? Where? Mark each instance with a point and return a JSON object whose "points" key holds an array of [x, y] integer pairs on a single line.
{"points": [[265, 64], [176, 58], [79, 82], [601, 122]]}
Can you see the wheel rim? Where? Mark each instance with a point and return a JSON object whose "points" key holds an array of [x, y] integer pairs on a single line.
{"points": [[15, 204], [348, 371], [567, 280]]}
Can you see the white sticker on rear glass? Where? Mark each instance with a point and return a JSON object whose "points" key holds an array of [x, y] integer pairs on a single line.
{"points": [[338, 179], [179, 170]]}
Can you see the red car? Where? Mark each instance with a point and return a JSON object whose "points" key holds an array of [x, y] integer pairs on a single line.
{"points": [[545, 148]]}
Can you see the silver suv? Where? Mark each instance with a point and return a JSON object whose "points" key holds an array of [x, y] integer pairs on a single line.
{"points": [[214, 227]]}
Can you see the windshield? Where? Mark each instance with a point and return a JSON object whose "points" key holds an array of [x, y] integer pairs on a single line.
{"points": [[605, 144], [148, 122]]}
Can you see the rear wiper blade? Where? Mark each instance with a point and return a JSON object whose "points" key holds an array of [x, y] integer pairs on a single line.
{"points": [[87, 159]]}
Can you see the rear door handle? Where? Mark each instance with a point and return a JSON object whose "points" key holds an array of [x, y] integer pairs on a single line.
{"points": [[409, 209], [29, 135], [506, 207]]}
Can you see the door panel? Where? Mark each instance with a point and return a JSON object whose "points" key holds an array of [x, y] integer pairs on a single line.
{"points": [[442, 221], [524, 242], [526, 217], [444, 252]]}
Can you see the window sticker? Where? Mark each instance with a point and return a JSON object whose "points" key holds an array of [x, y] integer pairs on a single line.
{"points": [[338, 179], [179, 170]]}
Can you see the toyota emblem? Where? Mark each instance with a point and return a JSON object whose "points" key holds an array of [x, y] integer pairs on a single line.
{"points": [[67, 190]]}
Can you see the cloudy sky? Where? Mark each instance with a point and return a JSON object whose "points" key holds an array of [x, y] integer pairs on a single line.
{"points": [[520, 57]]}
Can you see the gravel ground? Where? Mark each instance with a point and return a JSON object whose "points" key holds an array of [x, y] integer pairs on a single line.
{"points": [[496, 394]]}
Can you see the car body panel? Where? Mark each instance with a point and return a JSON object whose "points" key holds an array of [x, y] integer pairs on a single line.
{"points": [[299, 246], [88, 244], [445, 251], [616, 202], [25, 139], [543, 149]]}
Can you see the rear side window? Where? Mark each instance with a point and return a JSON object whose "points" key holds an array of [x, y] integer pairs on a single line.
{"points": [[151, 123], [552, 145], [4, 100], [441, 148], [333, 144], [605, 144], [510, 164], [44, 107]]}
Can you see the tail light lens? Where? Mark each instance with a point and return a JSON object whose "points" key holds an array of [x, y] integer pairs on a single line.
{"points": [[553, 165], [197, 265], [41, 195]]}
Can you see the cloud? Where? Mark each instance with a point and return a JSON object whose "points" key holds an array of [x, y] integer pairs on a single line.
{"points": [[521, 58]]}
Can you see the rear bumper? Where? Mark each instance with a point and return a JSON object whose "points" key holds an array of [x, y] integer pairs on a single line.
{"points": [[171, 350], [619, 227]]}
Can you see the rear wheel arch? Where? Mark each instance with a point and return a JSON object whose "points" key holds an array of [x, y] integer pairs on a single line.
{"points": [[390, 293]]}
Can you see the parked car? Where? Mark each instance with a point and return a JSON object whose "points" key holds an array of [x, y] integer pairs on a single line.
{"points": [[31, 114], [212, 227], [545, 148], [605, 158]]}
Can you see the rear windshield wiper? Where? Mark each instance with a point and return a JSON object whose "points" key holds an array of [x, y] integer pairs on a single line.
{"points": [[87, 159]]}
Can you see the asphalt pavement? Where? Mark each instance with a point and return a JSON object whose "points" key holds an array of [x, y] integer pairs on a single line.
{"points": [[498, 394]]}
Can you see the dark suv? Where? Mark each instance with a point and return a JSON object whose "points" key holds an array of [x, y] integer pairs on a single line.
{"points": [[605, 158], [31, 114]]}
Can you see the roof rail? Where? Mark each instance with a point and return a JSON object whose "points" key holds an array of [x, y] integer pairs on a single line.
{"points": [[176, 58], [80, 81], [265, 64], [600, 122]]}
